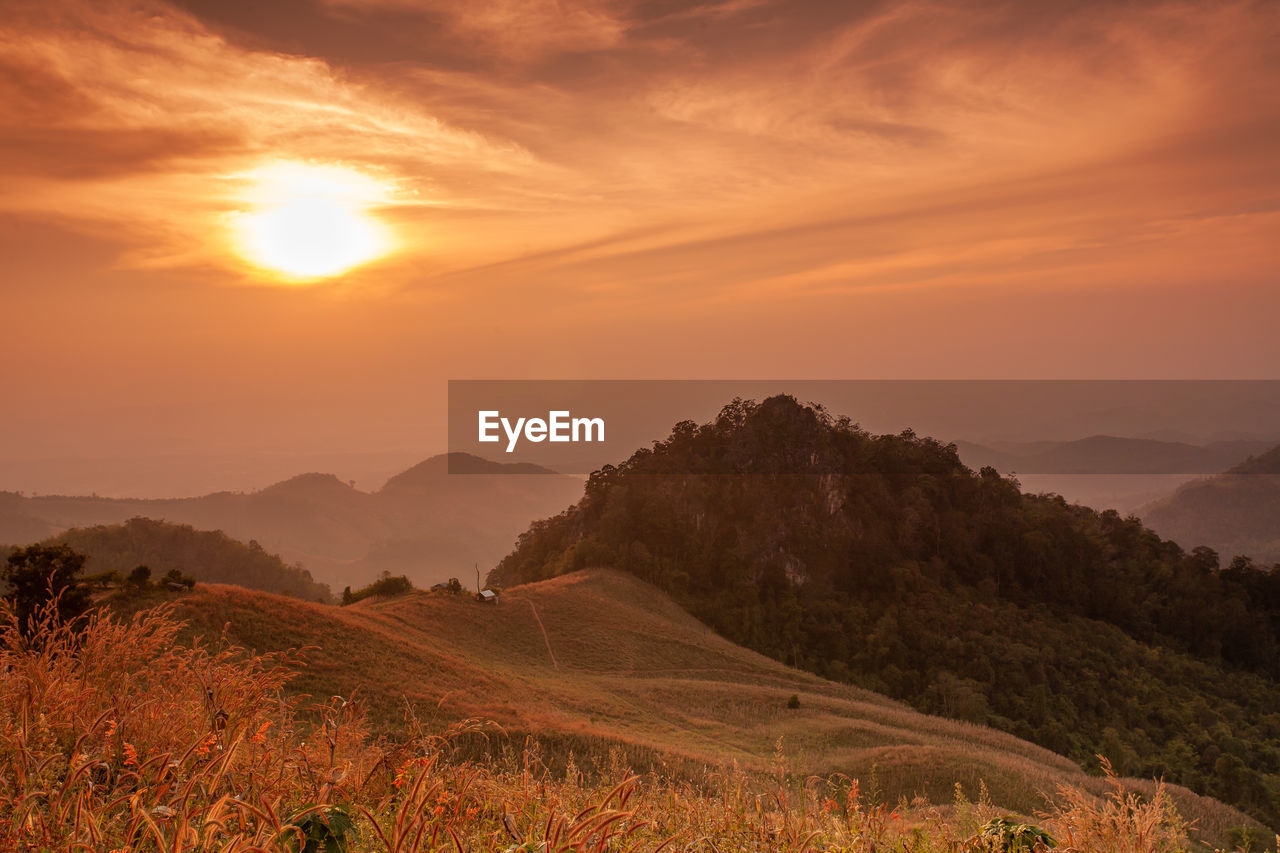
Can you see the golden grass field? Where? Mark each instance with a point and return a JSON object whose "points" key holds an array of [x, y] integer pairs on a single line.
{"points": [[598, 664]]}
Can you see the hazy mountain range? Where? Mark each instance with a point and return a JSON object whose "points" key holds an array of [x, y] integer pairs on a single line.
{"points": [[424, 522], [431, 526], [1107, 471], [1235, 513], [1107, 454]]}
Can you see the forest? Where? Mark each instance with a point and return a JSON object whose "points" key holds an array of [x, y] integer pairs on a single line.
{"points": [[208, 555]]}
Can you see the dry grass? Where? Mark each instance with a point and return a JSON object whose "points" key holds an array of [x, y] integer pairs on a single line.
{"points": [[117, 737], [640, 686]]}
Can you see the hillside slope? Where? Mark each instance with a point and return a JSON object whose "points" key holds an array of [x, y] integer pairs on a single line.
{"points": [[1235, 513], [598, 658], [425, 523]]}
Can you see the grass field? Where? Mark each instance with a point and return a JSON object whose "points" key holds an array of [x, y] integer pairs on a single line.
{"points": [[596, 662]]}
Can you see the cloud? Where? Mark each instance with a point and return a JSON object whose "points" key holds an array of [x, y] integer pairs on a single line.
{"points": [[135, 116], [554, 149], [735, 187], [515, 29]]}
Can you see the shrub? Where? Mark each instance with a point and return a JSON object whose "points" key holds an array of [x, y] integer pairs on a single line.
{"points": [[1010, 835], [139, 578], [177, 576], [326, 829]]}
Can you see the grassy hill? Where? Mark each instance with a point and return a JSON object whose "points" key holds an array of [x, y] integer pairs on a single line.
{"points": [[209, 556], [426, 523], [598, 659], [1235, 513]]}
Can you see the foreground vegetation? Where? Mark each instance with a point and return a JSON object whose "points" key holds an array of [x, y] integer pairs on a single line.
{"points": [[115, 736], [884, 562]]}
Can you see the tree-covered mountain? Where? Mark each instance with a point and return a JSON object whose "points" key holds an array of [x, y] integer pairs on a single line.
{"points": [[884, 561], [206, 555], [1236, 513]]}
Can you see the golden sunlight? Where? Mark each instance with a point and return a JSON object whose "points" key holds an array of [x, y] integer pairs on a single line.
{"points": [[310, 222]]}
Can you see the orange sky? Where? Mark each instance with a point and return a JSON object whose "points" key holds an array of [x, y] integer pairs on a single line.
{"points": [[609, 189]]}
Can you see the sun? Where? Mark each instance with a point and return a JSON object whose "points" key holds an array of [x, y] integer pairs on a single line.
{"points": [[309, 222]]}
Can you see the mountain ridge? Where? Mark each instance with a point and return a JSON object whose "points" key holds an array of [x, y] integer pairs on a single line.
{"points": [[428, 524], [1265, 463], [458, 463], [1108, 454], [1236, 513]]}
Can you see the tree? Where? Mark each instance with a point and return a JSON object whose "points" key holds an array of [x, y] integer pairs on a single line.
{"points": [[455, 586], [39, 574], [140, 577], [177, 576]]}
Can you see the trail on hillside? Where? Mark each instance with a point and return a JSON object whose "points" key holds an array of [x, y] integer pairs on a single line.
{"points": [[546, 639]]}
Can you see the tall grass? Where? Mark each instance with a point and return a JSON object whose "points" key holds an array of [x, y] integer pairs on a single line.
{"points": [[115, 736]]}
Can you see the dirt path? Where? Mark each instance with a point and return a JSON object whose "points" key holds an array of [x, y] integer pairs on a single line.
{"points": [[545, 638]]}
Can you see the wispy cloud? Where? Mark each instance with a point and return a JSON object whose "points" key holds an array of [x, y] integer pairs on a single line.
{"points": [[758, 146], [518, 30], [135, 117]]}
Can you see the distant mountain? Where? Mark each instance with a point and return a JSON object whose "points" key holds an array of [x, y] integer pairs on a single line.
{"points": [[426, 522], [1236, 513], [209, 556], [883, 560], [1108, 472], [1267, 463], [429, 472], [1106, 454], [17, 525]]}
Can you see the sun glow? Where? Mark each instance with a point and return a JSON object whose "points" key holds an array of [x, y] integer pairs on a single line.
{"points": [[310, 222]]}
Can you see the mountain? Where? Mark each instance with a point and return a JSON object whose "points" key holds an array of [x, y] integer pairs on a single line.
{"points": [[426, 522], [599, 666], [1267, 463], [208, 556], [1107, 454], [1107, 472], [17, 524], [885, 562], [1236, 513]]}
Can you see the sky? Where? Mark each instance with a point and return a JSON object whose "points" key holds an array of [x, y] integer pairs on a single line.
{"points": [[728, 189]]}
